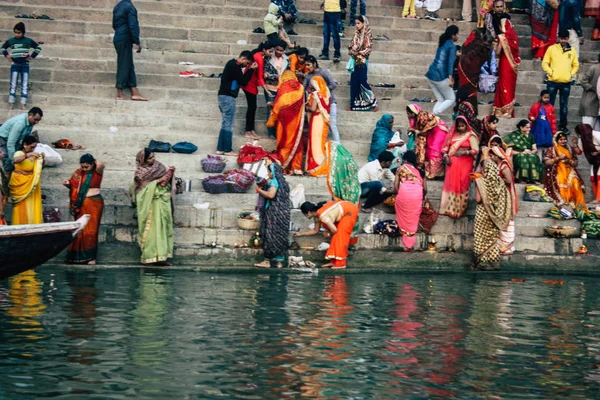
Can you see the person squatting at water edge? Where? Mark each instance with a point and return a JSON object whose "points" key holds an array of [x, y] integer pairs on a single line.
{"points": [[85, 198], [339, 219]]}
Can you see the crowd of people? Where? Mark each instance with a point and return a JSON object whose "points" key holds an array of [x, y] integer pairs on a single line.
{"points": [[301, 113]]}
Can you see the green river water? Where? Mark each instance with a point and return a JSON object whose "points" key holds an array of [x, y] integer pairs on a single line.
{"points": [[175, 334]]}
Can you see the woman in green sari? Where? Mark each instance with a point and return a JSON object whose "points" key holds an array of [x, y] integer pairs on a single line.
{"points": [[154, 198], [342, 175], [527, 164]]}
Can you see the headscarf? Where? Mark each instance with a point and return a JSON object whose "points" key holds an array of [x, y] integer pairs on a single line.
{"points": [[415, 109], [290, 94], [381, 137], [495, 197], [450, 147], [145, 173], [426, 121], [586, 133], [486, 132], [362, 41], [558, 149]]}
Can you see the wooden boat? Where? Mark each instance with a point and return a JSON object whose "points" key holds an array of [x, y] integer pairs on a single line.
{"points": [[23, 247]]}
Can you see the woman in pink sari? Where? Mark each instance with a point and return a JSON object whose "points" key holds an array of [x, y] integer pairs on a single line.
{"points": [[459, 152], [430, 135], [411, 188], [507, 50]]}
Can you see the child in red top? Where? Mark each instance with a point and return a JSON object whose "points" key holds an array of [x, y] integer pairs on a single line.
{"points": [[543, 122], [264, 49]]}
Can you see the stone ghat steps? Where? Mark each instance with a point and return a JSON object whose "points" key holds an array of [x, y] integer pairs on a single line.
{"points": [[196, 238]]}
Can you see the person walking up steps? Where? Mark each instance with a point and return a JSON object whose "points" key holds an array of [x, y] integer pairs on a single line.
{"points": [[231, 79], [127, 33], [441, 70], [19, 58], [331, 28]]}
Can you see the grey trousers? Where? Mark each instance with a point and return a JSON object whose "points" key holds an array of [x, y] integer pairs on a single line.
{"points": [[125, 69], [6, 160]]}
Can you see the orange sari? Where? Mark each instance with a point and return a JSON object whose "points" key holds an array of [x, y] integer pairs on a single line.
{"points": [[563, 182], [344, 215], [288, 110], [316, 155]]}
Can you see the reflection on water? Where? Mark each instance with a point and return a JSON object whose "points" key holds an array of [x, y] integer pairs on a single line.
{"points": [[118, 334]]}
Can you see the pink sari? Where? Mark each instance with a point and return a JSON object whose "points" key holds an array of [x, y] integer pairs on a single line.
{"points": [[409, 203], [455, 193]]}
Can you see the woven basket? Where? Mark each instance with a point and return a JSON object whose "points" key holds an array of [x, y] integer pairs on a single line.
{"points": [[213, 164], [561, 231], [248, 224], [215, 185]]}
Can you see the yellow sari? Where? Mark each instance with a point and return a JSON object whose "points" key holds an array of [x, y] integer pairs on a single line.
{"points": [[563, 182], [316, 156], [25, 191]]}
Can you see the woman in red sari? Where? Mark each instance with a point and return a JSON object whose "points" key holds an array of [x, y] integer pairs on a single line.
{"points": [[288, 110], [507, 50], [85, 198], [318, 106], [339, 218], [544, 27], [461, 148]]}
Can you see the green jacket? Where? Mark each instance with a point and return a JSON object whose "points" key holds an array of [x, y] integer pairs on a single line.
{"points": [[271, 21]]}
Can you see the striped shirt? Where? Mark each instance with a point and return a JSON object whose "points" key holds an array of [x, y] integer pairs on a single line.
{"points": [[19, 49]]}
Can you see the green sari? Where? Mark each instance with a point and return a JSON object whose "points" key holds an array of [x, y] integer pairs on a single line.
{"points": [[155, 223], [342, 177], [527, 167]]}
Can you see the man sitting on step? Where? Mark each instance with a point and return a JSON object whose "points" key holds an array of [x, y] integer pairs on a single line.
{"points": [[232, 78], [371, 176]]}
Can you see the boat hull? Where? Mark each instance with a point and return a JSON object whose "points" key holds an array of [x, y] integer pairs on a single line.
{"points": [[28, 246]]}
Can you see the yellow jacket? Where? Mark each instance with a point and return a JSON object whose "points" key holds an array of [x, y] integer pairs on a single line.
{"points": [[561, 66]]}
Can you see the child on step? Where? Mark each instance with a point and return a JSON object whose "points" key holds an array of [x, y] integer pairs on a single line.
{"points": [[19, 58], [543, 122], [273, 26]]}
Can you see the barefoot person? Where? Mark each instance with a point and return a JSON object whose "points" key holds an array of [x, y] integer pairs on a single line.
{"points": [[126, 39], [338, 218], [85, 198]]}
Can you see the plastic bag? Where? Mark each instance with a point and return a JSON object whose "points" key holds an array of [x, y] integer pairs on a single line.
{"points": [[51, 156], [350, 65], [297, 196], [373, 220]]}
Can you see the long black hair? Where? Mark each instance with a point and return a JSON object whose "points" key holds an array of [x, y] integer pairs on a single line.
{"points": [[266, 45], [307, 207], [450, 31], [313, 60]]}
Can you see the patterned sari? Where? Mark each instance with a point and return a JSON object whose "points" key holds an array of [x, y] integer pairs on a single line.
{"points": [[288, 110], [492, 215], [85, 246], [544, 27], [26, 191], [508, 64], [344, 215], [275, 218], [467, 110], [430, 141], [342, 176], [455, 192], [155, 212], [527, 167], [409, 203], [475, 53], [506, 238], [563, 182], [316, 157]]}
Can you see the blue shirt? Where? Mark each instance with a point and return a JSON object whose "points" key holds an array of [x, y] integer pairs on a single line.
{"points": [[125, 22], [14, 131], [443, 65]]}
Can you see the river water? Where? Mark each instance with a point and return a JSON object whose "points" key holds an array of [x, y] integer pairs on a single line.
{"points": [[174, 334]]}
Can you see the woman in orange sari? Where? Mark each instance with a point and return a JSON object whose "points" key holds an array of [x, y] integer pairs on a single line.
{"points": [[563, 182], [339, 218], [507, 49], [318, 116], [459, 152], [24, 185], [85, 198], [288, 110]]}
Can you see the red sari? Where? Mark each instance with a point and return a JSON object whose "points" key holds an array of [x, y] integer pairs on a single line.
{"points": [[85, 246], [455, 193], [508, 64]]}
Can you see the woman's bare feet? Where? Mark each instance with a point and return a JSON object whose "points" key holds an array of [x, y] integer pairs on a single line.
{"points": [[264, 264], [328, 265], [231, 154], [138, 98], [92, 262]]}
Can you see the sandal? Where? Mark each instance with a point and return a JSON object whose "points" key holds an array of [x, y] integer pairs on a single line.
{"points": [[264, 264]]}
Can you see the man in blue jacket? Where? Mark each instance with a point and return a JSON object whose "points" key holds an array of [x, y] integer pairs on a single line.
{"points": [[127, 38]]}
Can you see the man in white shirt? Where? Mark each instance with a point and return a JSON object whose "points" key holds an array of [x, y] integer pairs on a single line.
{"points": [[371, 176]]}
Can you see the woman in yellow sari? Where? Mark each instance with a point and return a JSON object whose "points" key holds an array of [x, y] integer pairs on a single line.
{"points": [[288, 110], [24, 185], [318, 107], [563, 182]]}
